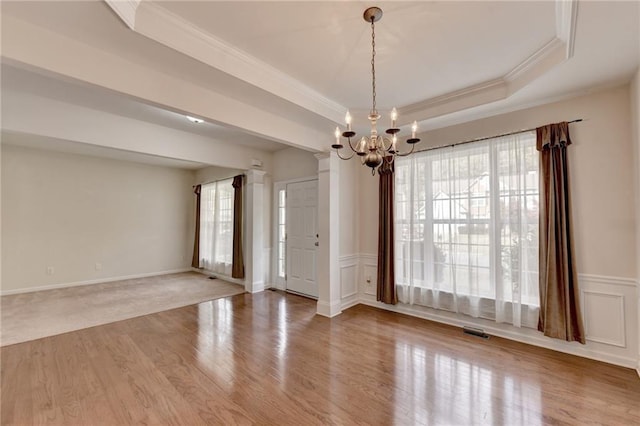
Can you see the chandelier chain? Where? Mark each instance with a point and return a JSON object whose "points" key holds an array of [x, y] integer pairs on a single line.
{"points": [[373, 65]]}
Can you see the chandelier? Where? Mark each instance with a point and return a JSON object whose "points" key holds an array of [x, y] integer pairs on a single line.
{"points": [[374, 149]]}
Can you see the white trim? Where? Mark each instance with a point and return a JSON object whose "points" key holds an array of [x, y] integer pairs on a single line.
{"points": [[349, 301], [90, 282], [556, 51], [349, 260], [605, 279], [566, 23], [527, 336], [621, 310], [126, 10], [165, 27], [329, 310]]}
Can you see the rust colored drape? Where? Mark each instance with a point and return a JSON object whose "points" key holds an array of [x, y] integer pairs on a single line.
{"points": [[237, 265], [559, 296], [195, 260], [386, 291]]}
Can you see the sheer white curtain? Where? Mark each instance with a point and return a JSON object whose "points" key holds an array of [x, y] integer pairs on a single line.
{"points": [[467, 229], [216, 226]]}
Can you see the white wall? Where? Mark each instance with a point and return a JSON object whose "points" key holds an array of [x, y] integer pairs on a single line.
{"points": [[635, 131], [602, 180], [70, 212]]}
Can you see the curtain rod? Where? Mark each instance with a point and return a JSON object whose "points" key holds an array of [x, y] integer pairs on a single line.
{"points": [[218, 180], [577, 120]]}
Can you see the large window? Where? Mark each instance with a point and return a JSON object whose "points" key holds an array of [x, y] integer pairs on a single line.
{"points": [[216, 226], [466, 229]]}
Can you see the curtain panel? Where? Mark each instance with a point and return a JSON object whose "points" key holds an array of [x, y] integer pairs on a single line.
{"points": [[195, 260], [560, 315], [466, 229], [237, 265], [216, 226], [386, 287]]}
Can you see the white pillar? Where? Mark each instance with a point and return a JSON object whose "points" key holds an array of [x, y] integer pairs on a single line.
{"points": [[254, 241], [328, 276]]}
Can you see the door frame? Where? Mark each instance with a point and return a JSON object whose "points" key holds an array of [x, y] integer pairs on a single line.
{"points": [[280, 282]]}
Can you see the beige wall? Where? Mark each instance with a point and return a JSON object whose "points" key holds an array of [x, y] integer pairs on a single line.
{"points": [[368, 210], [601, 168], [213, 173], [349, 231], [70, 212], [293, 163]]}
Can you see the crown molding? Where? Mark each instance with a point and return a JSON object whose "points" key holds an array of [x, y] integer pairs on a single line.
{"points": [[159, 24], [557, 50], [566, 23], [150, 19], [126, 10]]}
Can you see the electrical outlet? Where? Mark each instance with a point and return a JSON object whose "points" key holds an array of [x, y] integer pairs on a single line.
{"points": [[98, 266], [50, 270]]}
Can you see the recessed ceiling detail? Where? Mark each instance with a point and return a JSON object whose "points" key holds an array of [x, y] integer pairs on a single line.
{"points": [[156, 22]]}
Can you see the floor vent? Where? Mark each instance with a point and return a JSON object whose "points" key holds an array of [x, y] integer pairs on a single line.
{"points": [[212, 277], [478, 332]]}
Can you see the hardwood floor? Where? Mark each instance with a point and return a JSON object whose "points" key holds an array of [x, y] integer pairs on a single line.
{"points": [[267, 359]]}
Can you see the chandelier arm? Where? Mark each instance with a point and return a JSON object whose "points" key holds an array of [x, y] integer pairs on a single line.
{"points": [[389, 141], [344, 158], [408, 153], [351, 146]]}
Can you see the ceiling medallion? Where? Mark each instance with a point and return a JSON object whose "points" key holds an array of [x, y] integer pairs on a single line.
{"points": [[374, 149]]}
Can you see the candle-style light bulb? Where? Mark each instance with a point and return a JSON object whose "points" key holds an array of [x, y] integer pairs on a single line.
{"points": [[362, 145], [347, 119], [337, 133], [414, 128], [394, 117], [394, 141]]}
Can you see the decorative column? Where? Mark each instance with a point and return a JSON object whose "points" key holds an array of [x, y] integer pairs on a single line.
{"points": [[328, 275], [254, 242]]}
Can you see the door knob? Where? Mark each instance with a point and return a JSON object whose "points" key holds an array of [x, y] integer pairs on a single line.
{"points": [[317, 244]]}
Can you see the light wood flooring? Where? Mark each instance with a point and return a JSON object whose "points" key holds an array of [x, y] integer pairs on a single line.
{"points": [[267, 359]]}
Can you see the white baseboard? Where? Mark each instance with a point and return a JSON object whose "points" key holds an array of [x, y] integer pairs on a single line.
{"points": [[329, 310], [527, 336], [90, 282], [349, 301]]}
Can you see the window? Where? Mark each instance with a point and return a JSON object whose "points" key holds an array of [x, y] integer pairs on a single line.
{"points": [[466, 229], [282, 197], [216, 226]]}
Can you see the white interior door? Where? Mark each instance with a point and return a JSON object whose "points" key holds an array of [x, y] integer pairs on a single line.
{"points": [[302, 237]]}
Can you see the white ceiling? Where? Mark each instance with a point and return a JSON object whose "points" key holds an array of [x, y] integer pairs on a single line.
{"points": [[424, 49], [310, 60]]}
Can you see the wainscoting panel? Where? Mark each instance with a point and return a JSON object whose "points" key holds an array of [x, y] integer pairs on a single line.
{"points": [[610, 313], [369, 268], [599, 323], [349, 280]]}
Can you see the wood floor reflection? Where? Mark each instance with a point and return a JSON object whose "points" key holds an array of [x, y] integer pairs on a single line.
{"points": [[267, 359]]}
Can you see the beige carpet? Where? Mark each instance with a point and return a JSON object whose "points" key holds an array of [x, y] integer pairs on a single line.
{"points": [[31, 316]]}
